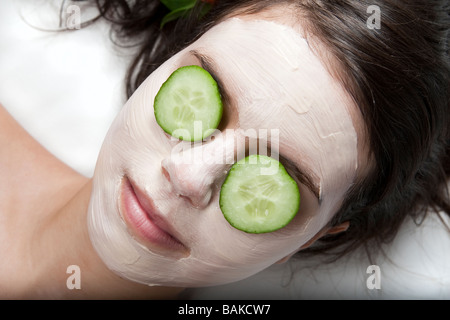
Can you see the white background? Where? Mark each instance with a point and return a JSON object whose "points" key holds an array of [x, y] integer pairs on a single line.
{"points": [[66, 88]]}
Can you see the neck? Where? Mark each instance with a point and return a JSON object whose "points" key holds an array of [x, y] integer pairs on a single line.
{"points": [[71, 269]]}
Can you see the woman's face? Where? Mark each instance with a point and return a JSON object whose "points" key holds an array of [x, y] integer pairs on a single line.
{"points": [[154, 215]]}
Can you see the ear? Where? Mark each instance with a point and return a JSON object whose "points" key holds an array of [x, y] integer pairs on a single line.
{"points": [[325, 231]]}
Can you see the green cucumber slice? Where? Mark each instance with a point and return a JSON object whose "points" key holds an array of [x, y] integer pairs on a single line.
{"points": [[257, 203], [188, 105]]}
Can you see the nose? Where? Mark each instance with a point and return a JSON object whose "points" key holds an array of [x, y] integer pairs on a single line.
{"points": [[195, 171]]}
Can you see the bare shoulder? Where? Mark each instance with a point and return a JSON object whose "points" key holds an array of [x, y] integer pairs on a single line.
{"points": [[33, 182], [30, 174], [34, 185]]}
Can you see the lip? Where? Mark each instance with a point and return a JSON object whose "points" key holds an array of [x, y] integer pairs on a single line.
{"points": [[146, 223]]}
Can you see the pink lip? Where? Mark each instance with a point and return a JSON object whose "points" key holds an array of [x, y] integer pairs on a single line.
{"points": [[146, 222]]}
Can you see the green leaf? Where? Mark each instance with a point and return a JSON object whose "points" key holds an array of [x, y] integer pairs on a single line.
{"points": [[173, 5], [206, 7], [177, 13]]}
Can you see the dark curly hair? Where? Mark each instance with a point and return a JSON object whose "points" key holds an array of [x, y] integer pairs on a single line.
{"points": [[398, 76]]}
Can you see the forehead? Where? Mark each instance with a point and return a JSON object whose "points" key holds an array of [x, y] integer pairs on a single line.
{"points": [[277, 82]]}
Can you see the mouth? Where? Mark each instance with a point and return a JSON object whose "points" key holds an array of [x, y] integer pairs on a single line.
{"points": [[146, 223]]}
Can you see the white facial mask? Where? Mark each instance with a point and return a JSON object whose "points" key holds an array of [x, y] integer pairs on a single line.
{"points": [[275, 81]]}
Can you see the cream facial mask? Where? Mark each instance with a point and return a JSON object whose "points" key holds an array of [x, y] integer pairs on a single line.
{"points": [[275, 82]]}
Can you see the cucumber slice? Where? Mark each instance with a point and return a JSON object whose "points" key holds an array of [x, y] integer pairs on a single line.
{"points": [[257, 203], [188, 105]]}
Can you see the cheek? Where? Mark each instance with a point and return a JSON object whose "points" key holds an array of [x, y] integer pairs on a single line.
{"points": [[218, 243]]}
